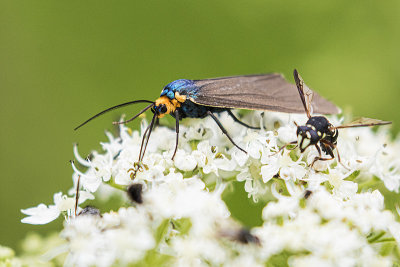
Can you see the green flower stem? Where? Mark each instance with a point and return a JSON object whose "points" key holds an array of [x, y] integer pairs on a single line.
{"points": [[372, 183], [375, 238], [388, 239], [112, 183]]}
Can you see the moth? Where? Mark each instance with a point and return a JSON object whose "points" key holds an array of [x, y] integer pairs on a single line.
{"points": [[200, 98]]}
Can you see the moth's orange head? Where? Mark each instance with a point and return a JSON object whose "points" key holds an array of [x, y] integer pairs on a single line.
{"points": [[164, 105]]}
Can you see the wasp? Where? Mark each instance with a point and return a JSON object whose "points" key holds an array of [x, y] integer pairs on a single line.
{"points": [[318, 131]]}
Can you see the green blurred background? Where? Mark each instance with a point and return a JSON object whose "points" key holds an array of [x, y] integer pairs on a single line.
{"points": [[61, 61]]}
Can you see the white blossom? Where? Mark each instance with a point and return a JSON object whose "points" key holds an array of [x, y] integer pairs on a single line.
{"points": [[330, 214]]}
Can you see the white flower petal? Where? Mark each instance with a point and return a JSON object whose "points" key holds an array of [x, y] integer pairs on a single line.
{"points": [[40, 214]]}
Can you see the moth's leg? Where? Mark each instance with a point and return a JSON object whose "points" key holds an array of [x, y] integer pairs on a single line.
{"points": [[148, 136], [240, 122], [143, 146], [224, 131], [77, 194], [177, 132], [143, 141]]}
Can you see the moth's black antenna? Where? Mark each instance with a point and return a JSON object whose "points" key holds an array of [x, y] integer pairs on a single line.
{"points": [[134, 117], [112, 108]]}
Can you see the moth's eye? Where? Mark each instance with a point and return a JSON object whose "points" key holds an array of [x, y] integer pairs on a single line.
{"points": [[163, 108], [171, 95]]}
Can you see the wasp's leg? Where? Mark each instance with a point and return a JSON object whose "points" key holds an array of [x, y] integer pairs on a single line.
{"points": [[224, 130], [288, 144], [320, 156], [240, 122], [333, 146]]}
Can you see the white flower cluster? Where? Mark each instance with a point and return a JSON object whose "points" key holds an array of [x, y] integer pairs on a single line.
{"points": [[327, 215]]}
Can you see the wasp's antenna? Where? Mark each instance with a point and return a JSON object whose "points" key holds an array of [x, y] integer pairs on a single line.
{"points": [[112, 108], [134, 117]]}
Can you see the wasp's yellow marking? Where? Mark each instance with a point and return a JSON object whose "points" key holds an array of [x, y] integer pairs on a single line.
{"points": [[319, 133], [170, 104]]}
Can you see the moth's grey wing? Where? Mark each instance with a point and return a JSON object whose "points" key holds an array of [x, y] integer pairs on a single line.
{"points": [[363, 122], [259, 92]]}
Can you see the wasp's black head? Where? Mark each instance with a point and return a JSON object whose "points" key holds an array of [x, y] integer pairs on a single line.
{"points": [[306, 136]]}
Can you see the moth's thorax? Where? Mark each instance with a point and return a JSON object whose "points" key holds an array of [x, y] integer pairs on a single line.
{"points": [[182, 86], [164, 105]]}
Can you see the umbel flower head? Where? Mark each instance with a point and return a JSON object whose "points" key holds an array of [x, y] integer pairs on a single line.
{"points": [[329, 214]]}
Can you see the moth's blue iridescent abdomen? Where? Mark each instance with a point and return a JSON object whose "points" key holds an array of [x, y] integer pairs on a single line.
{"points": [[182, 86]]}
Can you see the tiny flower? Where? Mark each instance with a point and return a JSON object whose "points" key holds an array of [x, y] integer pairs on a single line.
{"points": [[185, 162], [43, 214], [283, 165], [210, 160]]}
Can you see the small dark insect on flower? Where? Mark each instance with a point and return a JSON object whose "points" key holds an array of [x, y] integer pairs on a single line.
{"points": [[242, 235], [201, 98], [245, 237], [90, 210], [307, 194], [135, 193]]}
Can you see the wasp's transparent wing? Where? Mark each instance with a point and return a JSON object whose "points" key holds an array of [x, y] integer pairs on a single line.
{"points": [[306, 94], [363, 122]]}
